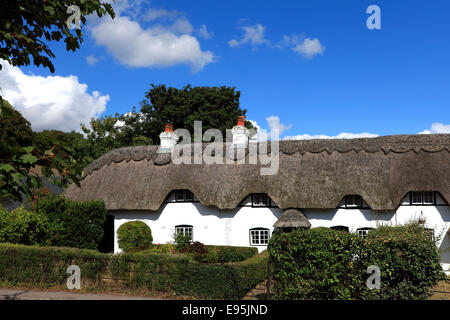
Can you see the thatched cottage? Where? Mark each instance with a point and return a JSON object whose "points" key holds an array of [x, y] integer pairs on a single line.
{"points": [[349, 184]]}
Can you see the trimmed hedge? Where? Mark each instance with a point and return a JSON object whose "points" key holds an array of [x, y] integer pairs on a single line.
{"points": [[321, 263], [208, 253], [218, 254], [134, 235], [23, 226], [71, 223], [173, 274]]}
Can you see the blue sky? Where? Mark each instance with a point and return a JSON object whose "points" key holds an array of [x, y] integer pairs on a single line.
{"points": [[307, 67]]}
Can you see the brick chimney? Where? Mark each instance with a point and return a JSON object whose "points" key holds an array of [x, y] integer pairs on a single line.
{"points": [[168, 139], [240, 133]]}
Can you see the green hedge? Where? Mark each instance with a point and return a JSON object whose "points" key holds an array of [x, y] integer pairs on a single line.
{"points": [[321, 263], [173, 274], [316, 264], [208, 253], [71, 223], [134, 235]]}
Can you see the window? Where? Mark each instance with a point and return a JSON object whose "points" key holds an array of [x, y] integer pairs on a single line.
{"points": [[422, 197], [362, 232], [340, 228], [259, 236], [353, 201], [185, 230], [260, 200], [183, 196]]}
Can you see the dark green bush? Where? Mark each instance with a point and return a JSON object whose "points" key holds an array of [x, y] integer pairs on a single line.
{"points": [[134, 236], [326, 264], [408, 259], [21, 226], [71, 223], [314, 264], [46, 266]]}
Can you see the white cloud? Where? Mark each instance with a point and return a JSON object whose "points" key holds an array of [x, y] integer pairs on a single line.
{"points": [[274, 123], [93, 60], [204, 33], [437, 127], [343, 135], [309, 48], [253, 35], [52, 102], [161, 45]]}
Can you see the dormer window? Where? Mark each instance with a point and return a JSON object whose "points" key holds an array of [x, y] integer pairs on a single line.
{"points": [[422, 198], [183, 196], [260, 200], [353, 201]]}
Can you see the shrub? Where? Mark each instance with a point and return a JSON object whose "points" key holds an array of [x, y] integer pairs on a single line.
{"points": [[326, 264], [71, 223], [313, 264], [134, 236], [408, 259], [23, 227], [181, 240]]}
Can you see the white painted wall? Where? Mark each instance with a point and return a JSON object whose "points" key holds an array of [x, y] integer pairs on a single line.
{"points": [[210, 225], [231, 227]]}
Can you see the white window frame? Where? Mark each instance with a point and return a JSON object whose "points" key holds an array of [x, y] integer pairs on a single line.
{"points": [[362, 232], [259, 236], [418, 198], [260, 200], [185, 229]]}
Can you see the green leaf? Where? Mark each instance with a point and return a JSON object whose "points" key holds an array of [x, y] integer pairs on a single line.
{"points": [[6, 167], [28, 158]]}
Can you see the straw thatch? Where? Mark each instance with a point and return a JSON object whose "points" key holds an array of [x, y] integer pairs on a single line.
{"points": [[312, 174], [292, 218]]}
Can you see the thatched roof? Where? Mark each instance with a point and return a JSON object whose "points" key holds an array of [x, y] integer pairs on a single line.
{"points": [[312, 174], [292, 218]]}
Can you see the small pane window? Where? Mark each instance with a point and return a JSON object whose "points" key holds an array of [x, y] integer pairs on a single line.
{"points": [[259, 237], [353, 201], [428, 197], [185, 230], [416, 197], [260, 200], [362, 232], [422, 197], [183, 196]]}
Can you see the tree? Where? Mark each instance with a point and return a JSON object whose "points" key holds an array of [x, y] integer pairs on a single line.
{"points": [[18, 155], [27, 25], [216, 107]]}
